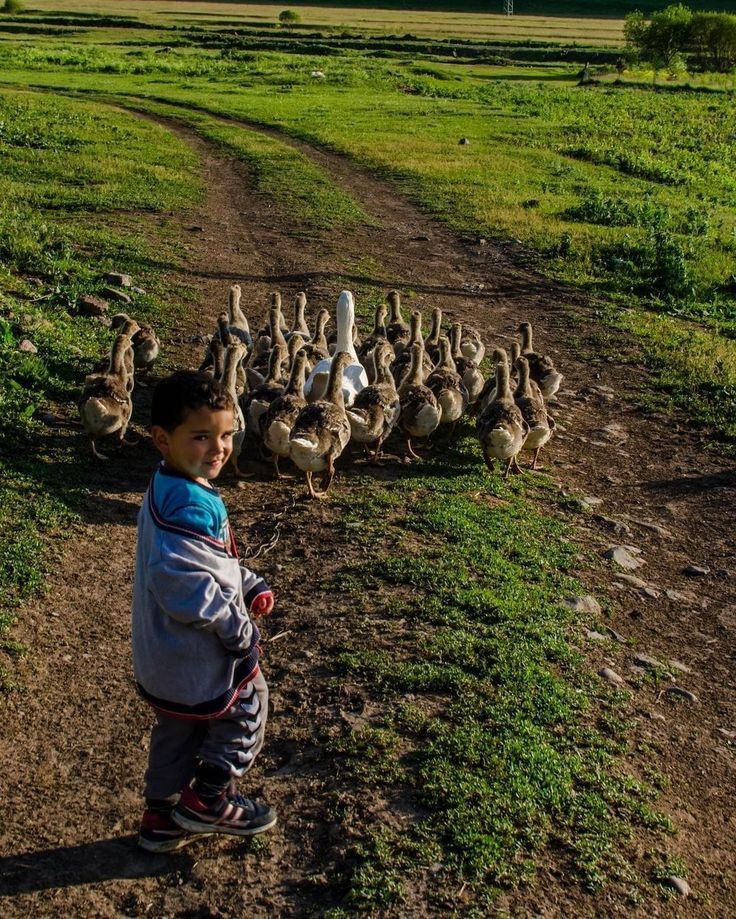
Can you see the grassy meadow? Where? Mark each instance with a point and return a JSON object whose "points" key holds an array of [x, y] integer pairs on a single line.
{"points": [[616, 186], [621, 188]]}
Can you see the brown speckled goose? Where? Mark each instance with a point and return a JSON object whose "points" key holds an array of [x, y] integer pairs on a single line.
{"points": [[299, 325], [403, 359], [233, 356], [105, 405], [277, 422], [501, 427], [528, 397], [448, 387], [397, 331], [365, 352], [488, 393], [432, 341], [316, 350], [375, 410], [420, 412], [322, 430], [468, 370], [257, 401], [541, 367]]}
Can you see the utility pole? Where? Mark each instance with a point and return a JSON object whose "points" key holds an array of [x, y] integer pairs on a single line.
{"points": [[508, 7]]}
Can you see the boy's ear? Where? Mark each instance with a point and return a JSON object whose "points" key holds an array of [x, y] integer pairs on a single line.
{"points": [[160, 439]]}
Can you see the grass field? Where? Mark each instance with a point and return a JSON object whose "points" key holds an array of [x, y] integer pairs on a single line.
{"points": [[476, 25], [618, 187]]}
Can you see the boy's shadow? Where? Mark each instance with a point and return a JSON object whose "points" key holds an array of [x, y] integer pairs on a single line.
{"points": [[89, 863]]}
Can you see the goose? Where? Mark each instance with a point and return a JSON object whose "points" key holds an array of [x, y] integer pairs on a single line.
{"points": [[376, 408], [403, 359], [501, 427], [432, 341], [237, 321], [468, 370], [472, 345], [322, 430], [419, 410], [299, 325], [233, 356], [217, 352], [354, 376], [105, 405], [125, 326], [316, 350], [221, 337], [278, 420], [255, 371], [530, 400], [296, 343], [397, 331], [257, 364], [257, 401], [541, 367], [488, 393], [146, 347], [129, 329], [448, 387], [274, 303], [365, 352]]}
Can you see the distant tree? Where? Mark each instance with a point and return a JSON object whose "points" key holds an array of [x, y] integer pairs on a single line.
{"points": [[289, 17], [661, 38], [713, 39], [12, 6]]}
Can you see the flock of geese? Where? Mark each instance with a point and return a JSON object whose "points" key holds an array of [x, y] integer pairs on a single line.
{"points": [[304, 395]]}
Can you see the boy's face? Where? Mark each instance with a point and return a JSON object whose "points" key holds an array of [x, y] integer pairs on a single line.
{"points": [[200, 446]]}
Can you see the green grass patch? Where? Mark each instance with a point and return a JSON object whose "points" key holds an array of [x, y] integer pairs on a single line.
{"points": [[494, 728], [77, 180], [300, 188]]}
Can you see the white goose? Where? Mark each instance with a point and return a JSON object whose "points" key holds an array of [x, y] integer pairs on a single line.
{"points": [[354, 377]]}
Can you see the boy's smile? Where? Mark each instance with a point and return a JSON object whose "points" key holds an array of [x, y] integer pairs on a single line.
{"points": [[200, 446]]}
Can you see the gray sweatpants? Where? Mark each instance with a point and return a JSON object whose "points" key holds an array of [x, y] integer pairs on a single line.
{"points": [[232, 741]]}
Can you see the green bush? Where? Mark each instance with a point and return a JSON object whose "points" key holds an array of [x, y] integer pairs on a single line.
{"points": [[12, 6]]}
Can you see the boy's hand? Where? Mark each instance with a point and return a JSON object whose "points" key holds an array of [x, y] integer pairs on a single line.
{"points": [[262, 604]]}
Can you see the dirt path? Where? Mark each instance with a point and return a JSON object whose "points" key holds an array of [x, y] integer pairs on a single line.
{"points": [[73, 747]]}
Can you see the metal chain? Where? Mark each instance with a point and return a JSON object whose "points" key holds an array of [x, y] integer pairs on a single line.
{"points": [[265, 547]]}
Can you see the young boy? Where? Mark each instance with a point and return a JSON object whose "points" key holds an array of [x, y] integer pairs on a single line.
{"points": [[195, 649]]}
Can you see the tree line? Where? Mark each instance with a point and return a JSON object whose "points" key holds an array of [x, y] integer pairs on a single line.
{"points": [[672, 35]]}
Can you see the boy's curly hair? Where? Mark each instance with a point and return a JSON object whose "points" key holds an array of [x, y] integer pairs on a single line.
{"points": [[186, 391]]}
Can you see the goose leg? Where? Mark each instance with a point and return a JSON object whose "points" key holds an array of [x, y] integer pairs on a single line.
{"points": [[411, 452], [507, 470], [536, 457], [515, 467], [488, 460], [276, 470], [329, 474], [100, 456], [310, 486]]}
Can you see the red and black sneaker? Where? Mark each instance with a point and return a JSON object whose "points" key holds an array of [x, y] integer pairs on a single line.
{"points": [[159, 833], [230, 813]]}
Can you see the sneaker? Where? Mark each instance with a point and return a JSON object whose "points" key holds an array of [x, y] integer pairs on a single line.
{"points": [[159, 833], [230, 813]]}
